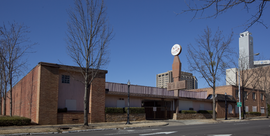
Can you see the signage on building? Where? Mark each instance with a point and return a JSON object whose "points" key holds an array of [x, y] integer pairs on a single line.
{"points": [[176, 50], [177, 85]]}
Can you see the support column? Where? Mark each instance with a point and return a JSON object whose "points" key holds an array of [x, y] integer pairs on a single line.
{"points": [[176, 103]]}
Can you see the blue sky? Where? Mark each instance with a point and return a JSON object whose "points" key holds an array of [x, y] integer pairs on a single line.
{"points": [[144, 32]]}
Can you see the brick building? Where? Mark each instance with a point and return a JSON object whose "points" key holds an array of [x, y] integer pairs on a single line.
{"points": [[49, 87], [254, 100]]}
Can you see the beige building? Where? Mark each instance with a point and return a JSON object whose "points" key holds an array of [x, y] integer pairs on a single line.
{"points": [[163, 79]]}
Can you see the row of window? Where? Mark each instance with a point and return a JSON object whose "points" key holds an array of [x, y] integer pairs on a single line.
{"points": [[246, 95], [254, 109], [162, 75]]}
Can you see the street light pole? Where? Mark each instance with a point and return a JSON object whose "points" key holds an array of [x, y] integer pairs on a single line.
{"points": [[226, 106], [128, 104], [239, 94]]}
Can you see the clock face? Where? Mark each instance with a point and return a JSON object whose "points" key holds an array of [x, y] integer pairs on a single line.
{"points": [[176, 50]]}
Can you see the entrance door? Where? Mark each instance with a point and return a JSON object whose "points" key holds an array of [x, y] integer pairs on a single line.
{"points": [[158, 110]]}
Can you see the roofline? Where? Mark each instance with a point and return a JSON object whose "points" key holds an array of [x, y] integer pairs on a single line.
{"points": [[65, 67], [228, 85]]}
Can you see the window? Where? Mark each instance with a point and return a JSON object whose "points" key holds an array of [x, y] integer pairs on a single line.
{"points": [[236, 109], [262, 109], [65, 79], [262, 96], [201, 106], [254, 108], [71, 105], [120, 103], [230, 108], [236, 93], [245, 95], [246, 108], [253, 95]]}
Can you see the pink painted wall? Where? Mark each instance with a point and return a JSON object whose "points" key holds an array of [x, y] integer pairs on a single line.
{"points": [[72, 91], [206, 106], [196, 105], [111, 101]]}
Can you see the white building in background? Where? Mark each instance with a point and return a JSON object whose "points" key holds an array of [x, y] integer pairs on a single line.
{"points": [[246, 50], [261, 63], [231, 76], [246, 56]]}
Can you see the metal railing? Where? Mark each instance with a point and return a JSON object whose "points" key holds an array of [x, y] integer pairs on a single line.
{"points": [[136, 89]]}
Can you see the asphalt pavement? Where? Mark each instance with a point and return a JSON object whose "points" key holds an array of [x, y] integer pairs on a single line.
{"points": [[75, 128]]}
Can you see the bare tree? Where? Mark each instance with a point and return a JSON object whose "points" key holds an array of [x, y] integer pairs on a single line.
{"points": [[16, 44], [4, 78], [249, 78], [1, 80], [265, 85], [210, 58], [221, 6], [88, 37]]}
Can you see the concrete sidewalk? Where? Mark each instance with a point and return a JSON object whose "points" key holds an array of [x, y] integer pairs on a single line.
{"points": [[73, 128]]}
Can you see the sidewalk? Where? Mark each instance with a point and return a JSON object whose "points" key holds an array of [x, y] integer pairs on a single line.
{"points": [[73, 128]]}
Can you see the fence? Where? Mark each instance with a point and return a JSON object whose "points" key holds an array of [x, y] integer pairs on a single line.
{"points": [[123, 88]]}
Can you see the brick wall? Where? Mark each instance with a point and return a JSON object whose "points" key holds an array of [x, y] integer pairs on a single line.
{"points": [[219, 90], [48, 94], [71, 118], [97, 99], [221, 110], [24, 96], [250, 102], [117, 117]]}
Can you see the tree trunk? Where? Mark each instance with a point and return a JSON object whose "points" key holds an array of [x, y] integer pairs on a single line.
{"points": [[5, 98], [243, 103], [86, 96], [10, 83], [214, 103]]}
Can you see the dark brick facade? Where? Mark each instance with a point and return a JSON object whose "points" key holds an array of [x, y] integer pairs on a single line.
{"points": [[35, 96], [25, 98], [232, 90]]}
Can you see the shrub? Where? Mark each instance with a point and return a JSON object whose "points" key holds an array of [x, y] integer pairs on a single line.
{"points": [[135, 109], [114, 110], [206, 111], [14, 120], [62, 109], [188, 111], [255, 113]]}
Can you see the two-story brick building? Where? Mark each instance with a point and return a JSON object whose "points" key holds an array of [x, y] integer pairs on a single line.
{"points": [[254, 100], [49, 87]]}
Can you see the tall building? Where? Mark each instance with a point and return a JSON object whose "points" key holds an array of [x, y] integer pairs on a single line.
{"points": [[163, 79], [246, 56]]}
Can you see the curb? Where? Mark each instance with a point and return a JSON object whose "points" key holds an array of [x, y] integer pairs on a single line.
{"points": [[77, 131]]}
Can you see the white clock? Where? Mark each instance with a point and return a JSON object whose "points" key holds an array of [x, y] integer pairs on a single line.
{"points": [[176, 50]]}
